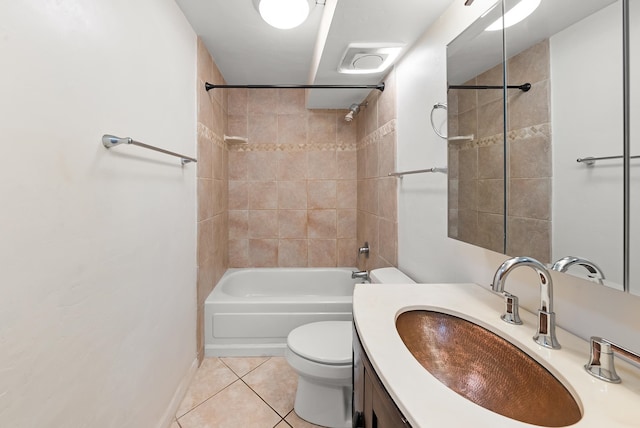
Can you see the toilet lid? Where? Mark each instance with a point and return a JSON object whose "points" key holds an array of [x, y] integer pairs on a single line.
{"points": [[327, 342]]}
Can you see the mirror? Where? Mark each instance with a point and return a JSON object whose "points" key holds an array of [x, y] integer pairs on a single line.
{"points": [[571, 54]]}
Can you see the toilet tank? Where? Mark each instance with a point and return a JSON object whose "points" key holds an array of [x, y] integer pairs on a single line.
{"points": [[389, 275]]}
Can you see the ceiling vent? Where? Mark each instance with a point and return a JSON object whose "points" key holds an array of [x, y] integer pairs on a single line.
{"points": [[367, 58]]}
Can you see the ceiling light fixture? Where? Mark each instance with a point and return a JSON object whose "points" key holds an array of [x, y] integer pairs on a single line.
{"points": [[515, 15], [284, 14]]}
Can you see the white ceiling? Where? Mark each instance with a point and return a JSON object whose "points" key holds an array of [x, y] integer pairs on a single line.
{"points": [[249, 51]]}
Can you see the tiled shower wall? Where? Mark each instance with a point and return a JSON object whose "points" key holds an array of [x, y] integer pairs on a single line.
{"points": [[292, 186], [377, 192], [476, 180], [212, 185]]}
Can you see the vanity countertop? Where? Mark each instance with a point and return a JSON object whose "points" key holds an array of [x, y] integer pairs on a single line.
{"points": [[426, 402]]}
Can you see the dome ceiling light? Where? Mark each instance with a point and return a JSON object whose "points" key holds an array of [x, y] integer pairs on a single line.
{"points": [[284, 14]]}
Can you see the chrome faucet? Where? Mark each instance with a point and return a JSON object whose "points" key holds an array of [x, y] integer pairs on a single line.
{"points": [[546, 331], [360, 275], [565, 263]]}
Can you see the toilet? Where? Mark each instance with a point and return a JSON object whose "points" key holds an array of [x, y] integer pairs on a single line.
{"points": [[321, 354]]}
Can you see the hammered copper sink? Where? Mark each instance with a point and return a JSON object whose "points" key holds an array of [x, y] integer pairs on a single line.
{"points": [[486, 369]]}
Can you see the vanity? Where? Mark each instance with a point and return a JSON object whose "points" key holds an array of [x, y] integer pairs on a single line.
{"points": [[393, 389]]}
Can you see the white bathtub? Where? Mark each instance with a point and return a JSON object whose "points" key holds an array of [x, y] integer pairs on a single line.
{"points": [[250, 312]]}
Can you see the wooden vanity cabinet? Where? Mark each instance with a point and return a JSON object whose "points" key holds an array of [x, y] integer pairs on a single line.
{"points": [[372, 405]]}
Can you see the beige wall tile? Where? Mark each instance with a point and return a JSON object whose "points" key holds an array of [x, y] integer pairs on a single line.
{"points": [[490, 196], [322, 127], [346, 164], [205, 63], [468, 195], [491, 161], [205, 108], [370, 112], [490, 119], [263, 128], [205, 199], [321, 194], [346, 131], [388, 245], [263, 195], [262, 101], [360, 162], [387, 155], [321, 224], [530, 198], [205, 159], [292, 224], [371, 197], [291, 102], [491, 231], [531, 157], [468, 164], [263, 224], [529, 236], [468, 225], [238, 102], [238, 224], [322, 165], [453, 192], [292, 195], [529, 108], [238, 165], [531, 65], [346, 194], [292, 129], [322, 252], [347, 252], [205, 242], [371, 160], [239, 253], [387, 198], [292, 253], [262, 166], [292, 165], [238, 195], [237, 125], [217, 162], [492, 77], [346, 223], [263, 252], [220, 196], [387, 99], [467, 100], [468, 123]]}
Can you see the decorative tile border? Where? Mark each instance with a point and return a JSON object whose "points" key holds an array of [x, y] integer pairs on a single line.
{"points": [[378, 134], [302, 147], [205, 132], [541, 130]]}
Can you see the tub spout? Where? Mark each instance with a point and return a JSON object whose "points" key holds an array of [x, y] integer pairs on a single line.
{"points": [[360, 275]]}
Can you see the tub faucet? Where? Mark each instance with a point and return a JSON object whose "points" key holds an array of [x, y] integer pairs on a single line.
{"points": [[546, 331], [363, 274], [565, 263]]}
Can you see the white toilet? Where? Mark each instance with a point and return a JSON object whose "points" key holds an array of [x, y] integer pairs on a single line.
{"points": [[321, 353]]}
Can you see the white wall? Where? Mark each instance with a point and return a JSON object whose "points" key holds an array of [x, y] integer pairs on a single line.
{"points": [[425, 251], [97, 250], [587, 121]]}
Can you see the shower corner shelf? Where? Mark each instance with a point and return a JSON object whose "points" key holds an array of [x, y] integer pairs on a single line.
{"points": [[234, 139]]}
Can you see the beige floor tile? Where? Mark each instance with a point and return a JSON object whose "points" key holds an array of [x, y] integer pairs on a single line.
{"points": [[283, 424], [275, 382], [212, 376], [174, 425], [235, 406], [297, 422], [243, 365]]}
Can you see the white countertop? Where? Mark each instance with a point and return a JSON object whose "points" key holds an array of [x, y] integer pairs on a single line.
{"points": [[426, 402]]}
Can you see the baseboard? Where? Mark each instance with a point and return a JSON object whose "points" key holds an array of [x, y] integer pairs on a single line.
{"points": [[170, 414]]}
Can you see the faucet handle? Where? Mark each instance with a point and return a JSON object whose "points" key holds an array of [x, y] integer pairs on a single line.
{"points": [[546, 332], [601, 363], [511, 314]]}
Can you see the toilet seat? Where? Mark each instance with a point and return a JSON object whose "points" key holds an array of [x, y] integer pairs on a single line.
{"points": [[325, 342]]}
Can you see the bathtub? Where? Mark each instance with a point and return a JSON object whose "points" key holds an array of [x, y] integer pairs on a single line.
{"points": [[251, 311]]}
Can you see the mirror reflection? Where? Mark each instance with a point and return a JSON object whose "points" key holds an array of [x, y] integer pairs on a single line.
{"points": [[571, 54]]}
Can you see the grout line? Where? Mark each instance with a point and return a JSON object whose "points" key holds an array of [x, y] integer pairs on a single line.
{"points": [[265, 402], [208, 398], [253, 369]]}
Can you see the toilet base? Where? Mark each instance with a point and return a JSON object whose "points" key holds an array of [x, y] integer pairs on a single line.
{"points": [[322, 404]]}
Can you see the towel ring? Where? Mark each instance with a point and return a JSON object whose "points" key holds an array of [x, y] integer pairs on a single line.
{"points": [[436, 107]]}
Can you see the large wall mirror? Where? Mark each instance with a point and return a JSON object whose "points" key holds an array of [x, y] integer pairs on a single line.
{"points": [[526, 101]]}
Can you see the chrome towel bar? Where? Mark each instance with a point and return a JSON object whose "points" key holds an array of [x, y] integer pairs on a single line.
{"points": [[417, 171], [111, 141], [590, 160]]}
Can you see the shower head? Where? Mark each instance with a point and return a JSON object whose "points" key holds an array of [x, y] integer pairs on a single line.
{"points": [[354, 109]]}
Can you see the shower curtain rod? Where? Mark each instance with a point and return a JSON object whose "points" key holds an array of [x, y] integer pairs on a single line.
{"points": [[379, 86], [524, 87]]}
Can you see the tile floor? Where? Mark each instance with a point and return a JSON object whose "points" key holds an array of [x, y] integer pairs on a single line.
{"points": [[255, 392]]}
